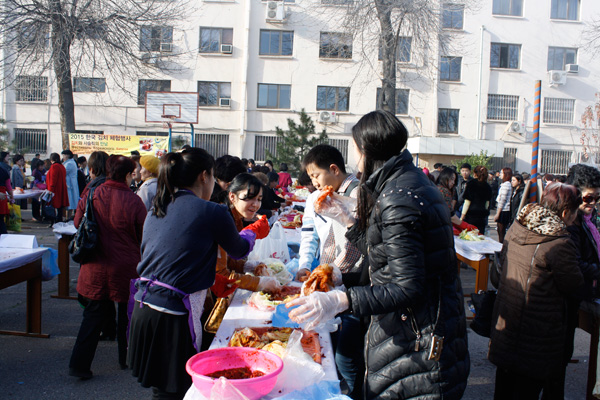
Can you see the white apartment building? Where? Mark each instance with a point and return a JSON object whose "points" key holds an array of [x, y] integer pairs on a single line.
{"points": [[257, 63]]}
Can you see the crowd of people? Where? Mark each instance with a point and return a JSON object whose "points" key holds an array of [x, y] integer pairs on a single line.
{"points": [[174, 235]]}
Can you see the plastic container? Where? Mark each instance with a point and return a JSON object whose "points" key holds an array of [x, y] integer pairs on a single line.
{"points": [[236, 357]]}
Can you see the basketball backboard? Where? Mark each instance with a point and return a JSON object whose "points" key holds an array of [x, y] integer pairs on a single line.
{"points": [[180, 107]]}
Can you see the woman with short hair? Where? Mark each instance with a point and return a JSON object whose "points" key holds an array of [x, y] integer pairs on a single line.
{"points": [[105, 275]]}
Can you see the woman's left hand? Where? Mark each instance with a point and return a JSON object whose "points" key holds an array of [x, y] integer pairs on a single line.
{"points": [[318, 308], [497, 217]]}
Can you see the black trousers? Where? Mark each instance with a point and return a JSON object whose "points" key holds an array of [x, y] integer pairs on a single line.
{"points": [[513, 386], [36, 207], [95, 315]]}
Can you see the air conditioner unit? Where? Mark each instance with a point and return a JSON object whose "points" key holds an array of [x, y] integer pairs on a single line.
{"points": [[224, 102], [572, 68], [149, 58], [226, 48], [328, 117], [516, 127], [275, 12], [166, 47], [557, 77]]}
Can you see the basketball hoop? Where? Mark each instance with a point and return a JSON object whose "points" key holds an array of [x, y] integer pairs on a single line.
{"points": [[168, 120]]}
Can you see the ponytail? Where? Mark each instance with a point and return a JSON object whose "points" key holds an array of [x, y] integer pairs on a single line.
{"points": [[176, 171]]}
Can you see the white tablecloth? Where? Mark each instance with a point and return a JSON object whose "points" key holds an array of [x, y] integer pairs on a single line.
{"points": [[476, 251], [29, 193], [11, 258]]}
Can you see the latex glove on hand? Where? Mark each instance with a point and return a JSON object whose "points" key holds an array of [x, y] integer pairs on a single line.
{"points": [[302, 274], [260, 227], [223, 287], [318, 308], [268, 283], [339, 208]]}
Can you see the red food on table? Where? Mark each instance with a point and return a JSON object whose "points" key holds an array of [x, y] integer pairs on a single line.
{"points": [[236, 373]]}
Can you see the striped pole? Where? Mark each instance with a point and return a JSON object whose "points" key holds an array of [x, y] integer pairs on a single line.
{"points": [[533, 192]]}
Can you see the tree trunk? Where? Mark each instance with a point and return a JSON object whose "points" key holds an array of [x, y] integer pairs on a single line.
{"points": [[61, 47], [387, 100]]}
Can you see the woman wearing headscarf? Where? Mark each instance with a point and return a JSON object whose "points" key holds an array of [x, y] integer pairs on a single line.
{"points": [[149, 172], [71, 179]]}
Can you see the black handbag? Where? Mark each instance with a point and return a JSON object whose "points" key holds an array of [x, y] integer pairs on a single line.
{"points": [[484, 309], [84, 241]]}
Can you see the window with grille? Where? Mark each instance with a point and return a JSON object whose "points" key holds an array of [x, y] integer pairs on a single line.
{"points": [[508, 160], [502, 107], [215, 144], [333, 98], [452, 16], [276, 43], [403, 49], [274, 96], [89, 132], [211, 39], [95, 85], [448, 120], [262, 144], [555, 161], [337, 2], [335, 45], [151, 133], [209, 93], [565, 9], [152, 37], [558, 111], [341, 145], [401, 100], [151, 85], [450, 69], [31, 140], [508, 7], [504, 55], [32, 35], [559, 57], [31, 88]]}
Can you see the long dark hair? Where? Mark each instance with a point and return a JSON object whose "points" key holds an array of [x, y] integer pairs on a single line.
{"points": [[179, 170], [247, 183], [445, 177], [379, 136]]}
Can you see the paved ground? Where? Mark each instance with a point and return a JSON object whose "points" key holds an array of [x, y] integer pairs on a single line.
{"points": [[38, 368]]}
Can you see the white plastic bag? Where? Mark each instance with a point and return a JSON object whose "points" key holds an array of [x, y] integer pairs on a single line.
{"points": [[273, 246], [224, 390], [296, 363]]}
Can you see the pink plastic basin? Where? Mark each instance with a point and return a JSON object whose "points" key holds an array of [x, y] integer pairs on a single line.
{"points": [[236, 357]]}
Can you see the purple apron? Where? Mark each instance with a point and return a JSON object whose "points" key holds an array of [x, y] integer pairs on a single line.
{"points": [[186, 302]]}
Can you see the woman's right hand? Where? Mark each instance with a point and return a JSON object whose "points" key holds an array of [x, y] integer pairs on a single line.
{"points": [[302, 274], [496, 217], [269, 284]]}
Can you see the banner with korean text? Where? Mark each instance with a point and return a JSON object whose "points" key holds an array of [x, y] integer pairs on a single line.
{"points": [[87, 143]]}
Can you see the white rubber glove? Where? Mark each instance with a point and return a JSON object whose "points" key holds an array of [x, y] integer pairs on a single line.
{"points": [[339, 208], [318, 308], [268, 283]]}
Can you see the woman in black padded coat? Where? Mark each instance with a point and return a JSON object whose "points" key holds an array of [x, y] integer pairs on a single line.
{"points": [[412, 291]]}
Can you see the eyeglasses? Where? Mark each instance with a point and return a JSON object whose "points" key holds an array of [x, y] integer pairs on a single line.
{"points": [[589, 198]]}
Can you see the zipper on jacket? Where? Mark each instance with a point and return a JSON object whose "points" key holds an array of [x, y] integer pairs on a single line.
{"points": [[368, 333], [527, 286], [415, 328]]}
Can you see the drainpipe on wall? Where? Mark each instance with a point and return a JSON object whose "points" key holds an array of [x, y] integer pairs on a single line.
{"points": [[479, 130], [244, 76]]}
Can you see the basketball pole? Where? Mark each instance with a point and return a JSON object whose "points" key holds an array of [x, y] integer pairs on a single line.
{"points": [[192, 128], [170, 135], [535, 144]]}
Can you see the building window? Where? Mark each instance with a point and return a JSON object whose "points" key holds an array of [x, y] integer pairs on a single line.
{"points": [[403, 49], [209, 93], [509, 160], [333, 98], [95, 85], [151, 133], [31, 88], [401, 100], [32, 35], [335, 45], [558, 111], [215, 144], [31, 140], [262, 144], [211, 39], [565, 9], [337, 2], [90, 132], [502, 107], [452, 16], [151, 85], [274, 96], [448, 120], [276, 43], [555, 161], [503, 55], [559, 57], [154, 37], [508, 7], [450, 69]]}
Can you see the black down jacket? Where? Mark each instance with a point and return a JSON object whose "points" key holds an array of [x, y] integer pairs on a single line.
{"points": [[412, 268]]}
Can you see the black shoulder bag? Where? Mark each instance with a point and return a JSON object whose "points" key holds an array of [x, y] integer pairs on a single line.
{"points": [[84, 242]]}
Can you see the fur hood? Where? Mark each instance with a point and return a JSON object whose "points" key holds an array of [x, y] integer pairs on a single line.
{"points": [[539, 219]]}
